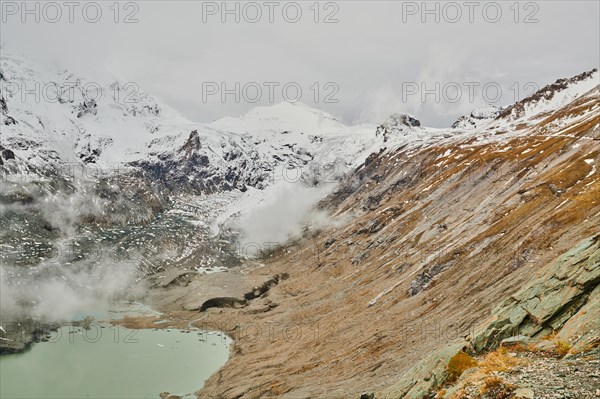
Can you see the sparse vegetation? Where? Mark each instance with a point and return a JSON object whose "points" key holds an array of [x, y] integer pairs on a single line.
{"points": [[459, 364], [500, 360], [496, 388], [562, 347], [483, 381]]}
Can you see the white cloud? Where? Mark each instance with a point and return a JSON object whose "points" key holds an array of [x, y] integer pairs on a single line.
{"points": [[170, 52]]}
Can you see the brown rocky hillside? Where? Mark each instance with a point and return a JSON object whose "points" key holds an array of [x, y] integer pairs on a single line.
{"points": [[453, 245]]}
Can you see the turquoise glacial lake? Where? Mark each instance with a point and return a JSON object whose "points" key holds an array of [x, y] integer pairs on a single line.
{"points": [[113, 362]]}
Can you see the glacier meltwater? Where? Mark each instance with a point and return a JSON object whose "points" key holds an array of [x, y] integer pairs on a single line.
{"points": [[113, 362]]}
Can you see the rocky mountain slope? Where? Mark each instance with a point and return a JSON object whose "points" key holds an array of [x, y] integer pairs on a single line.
{"points": [[503, 221], [96, 173], [436, 243]]}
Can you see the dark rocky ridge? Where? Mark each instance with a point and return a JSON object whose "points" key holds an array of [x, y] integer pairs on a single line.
{"points": [[546, 93]]}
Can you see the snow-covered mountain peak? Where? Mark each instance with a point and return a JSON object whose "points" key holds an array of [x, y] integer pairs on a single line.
{"points": [[553, 97], [480, 116], [535, 107], [49, 113], [282, 117], [137, 131], [397, 124], [62, 123]]}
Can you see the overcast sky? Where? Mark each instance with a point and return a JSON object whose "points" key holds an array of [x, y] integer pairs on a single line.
{"points": [[373, 57]]}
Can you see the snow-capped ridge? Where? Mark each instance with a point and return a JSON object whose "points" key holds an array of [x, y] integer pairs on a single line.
{"points": [[397, 124], [145, 137], [479, 117], [552, 96], [252, 150], [544, 101], [281, 117], [49, 113]]}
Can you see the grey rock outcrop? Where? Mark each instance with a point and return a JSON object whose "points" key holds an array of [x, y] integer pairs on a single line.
{"points": [[546, 304]]}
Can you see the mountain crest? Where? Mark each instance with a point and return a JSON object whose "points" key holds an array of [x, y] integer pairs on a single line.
{"points": [[397, 124], [552, 96], [281, 117], [479, 117]]}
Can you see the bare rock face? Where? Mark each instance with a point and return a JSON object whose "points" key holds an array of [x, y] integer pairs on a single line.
{"points": [[549, 302], [582, 329], [17, 336], [421, 380], [564, 297], [397, 124], [3, 106], [88, 106], [6, 153], [192, 145]]}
